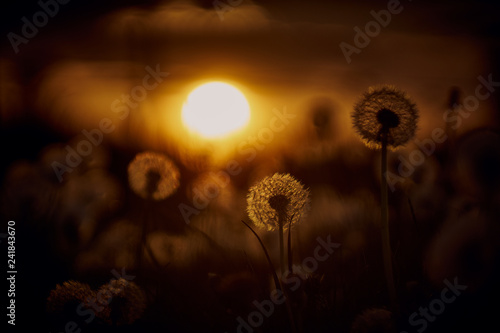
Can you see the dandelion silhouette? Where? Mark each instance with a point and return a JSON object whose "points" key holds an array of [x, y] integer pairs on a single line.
{"points": [[123, 302], [385, 114], [153, 176], [385, 117], [277, 202], [280, 194]]}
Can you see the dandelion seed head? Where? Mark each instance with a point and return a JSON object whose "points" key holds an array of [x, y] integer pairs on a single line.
{"points": [[124, 302], [153, 176], [69, 291], [275, 195], [385, 111]]}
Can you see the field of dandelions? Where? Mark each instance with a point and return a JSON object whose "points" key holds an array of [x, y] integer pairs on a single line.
{"points": [[109, 249]]}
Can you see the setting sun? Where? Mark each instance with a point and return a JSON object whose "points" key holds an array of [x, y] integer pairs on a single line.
{"points": [[215, 109]]}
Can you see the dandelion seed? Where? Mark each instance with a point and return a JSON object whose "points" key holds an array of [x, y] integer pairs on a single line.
{"points": [[275, 196], [385, 111], [70, 291], [153, 176]]}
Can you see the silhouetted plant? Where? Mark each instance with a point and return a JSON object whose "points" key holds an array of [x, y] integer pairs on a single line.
{"points": [[278, 202], [385, 117], [154, 177], [277, 280]]}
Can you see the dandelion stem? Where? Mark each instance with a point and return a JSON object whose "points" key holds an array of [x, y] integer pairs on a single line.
{"points": [[271, 266], [386, 242], [282, 245], [289, 246], [142, 245], [412, 211], [277, 281]]}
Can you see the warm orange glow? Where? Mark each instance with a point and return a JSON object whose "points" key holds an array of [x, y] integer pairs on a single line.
{"points": [[215, 110]]}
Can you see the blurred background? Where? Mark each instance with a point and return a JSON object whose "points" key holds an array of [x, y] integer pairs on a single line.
{"points": [[83, 60]]}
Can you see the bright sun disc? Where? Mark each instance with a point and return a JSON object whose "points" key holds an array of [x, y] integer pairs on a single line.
{"points": [[215, 109]]}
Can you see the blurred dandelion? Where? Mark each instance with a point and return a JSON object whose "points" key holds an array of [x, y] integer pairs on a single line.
{"points": [[385, 113], [476, 164], [279, 202], [124, 302], [68, 293], [385, 117], [466, 245], [153, 176], [374, 320]]}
